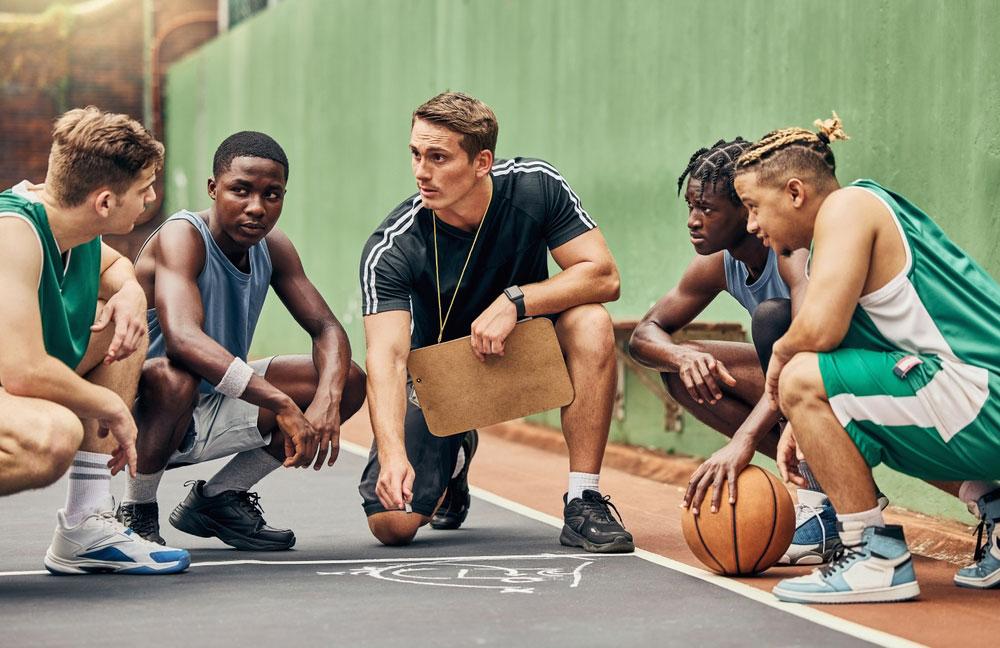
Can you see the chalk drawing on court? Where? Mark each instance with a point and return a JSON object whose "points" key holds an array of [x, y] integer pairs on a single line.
{"points": [[503, 579]]}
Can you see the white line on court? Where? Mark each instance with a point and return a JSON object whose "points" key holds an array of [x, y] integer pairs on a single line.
{"points": [[802, 611]]}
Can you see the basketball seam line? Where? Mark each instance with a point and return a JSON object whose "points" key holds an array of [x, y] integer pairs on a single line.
{"points": [[774, 519], [697, 527], [736, 542]]}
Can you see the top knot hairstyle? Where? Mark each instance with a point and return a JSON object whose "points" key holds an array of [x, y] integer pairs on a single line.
{"points": [[93, 149], [794, 151], [247, 144], [715, 165]]}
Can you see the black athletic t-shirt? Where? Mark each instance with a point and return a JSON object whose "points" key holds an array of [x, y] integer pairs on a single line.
{"points": [[533, 208]]}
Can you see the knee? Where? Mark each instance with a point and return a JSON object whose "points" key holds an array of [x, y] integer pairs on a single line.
{"points": [[163, 381], [49, 443], [675, 386], [800, 382], [586, 332], [772, 316], [395, 529]]}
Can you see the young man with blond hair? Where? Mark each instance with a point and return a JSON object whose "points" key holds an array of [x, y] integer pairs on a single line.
{"points": [[891, 359], [74, 331], [465, 256]]}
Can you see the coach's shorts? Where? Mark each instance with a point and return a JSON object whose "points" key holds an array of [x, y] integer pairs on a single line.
{"points": [[433, 460], [941, 420], [221, 426]]}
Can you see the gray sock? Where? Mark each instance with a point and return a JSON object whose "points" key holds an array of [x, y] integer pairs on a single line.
{"points": [[811, 482], [141, 489], [243, 471]]}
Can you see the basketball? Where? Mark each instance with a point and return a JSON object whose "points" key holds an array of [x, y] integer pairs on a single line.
{"points": [[749, 536]]}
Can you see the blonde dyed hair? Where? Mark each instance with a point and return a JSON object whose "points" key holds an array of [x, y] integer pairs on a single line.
{"points": [[92, 149], [794, 151], [465, 115]]}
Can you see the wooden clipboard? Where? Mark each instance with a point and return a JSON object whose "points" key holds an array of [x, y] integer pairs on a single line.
{"points": [[458, 392]]}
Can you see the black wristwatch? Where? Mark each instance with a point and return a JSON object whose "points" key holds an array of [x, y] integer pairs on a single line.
{"points": [[515, 295]]}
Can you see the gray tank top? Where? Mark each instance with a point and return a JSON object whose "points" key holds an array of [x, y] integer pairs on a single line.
{"points": [[769, 284], [231, 299]]}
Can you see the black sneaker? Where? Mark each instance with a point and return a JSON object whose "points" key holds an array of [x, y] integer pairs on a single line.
{"points": [[589, 524], [235, 517], [455, 507], [143, 518]]}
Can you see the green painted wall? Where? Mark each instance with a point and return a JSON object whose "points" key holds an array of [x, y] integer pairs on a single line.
{"points": [[617, 95]]}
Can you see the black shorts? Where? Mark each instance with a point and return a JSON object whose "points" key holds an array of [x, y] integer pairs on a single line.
{"points": [[433, 460]]}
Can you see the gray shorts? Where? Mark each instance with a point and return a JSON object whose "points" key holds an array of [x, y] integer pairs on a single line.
{"points": [[221, 426]]}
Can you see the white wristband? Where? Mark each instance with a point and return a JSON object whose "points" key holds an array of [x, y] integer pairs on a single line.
{"points": [[234, 382]]}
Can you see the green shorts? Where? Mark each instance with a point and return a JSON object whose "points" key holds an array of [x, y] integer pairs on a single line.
{"points": [[941, 420]]}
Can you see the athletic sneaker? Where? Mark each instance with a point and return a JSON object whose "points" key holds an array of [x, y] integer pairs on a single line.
{"points": [[100, 544], [455, 507], [588, 523], [143, 518], [235, 517], [879, 569], [816, 539], [984, 573]]}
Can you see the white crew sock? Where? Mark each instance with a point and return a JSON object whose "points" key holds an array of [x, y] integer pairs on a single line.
{"points": [[970, 492], [89, 486], [459, 462], [243, 471], [579, 482], [851, 525], [141, 489]]}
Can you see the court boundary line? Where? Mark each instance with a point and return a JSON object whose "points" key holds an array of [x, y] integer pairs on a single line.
{"points": [[803, 611], [806, 612]]}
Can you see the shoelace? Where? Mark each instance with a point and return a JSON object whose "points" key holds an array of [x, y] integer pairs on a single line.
{"points": [[981, 530], [602, 506], [141, 524], [250, 503], [841, 556], [805, 512]]}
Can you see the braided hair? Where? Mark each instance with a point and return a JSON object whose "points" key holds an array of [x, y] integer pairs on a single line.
{"points": [[714, 165], [795, 150]]}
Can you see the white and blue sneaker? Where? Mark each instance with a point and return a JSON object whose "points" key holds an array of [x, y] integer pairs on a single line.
{"points": [[100, 544], [984, 573], [878, 569]]}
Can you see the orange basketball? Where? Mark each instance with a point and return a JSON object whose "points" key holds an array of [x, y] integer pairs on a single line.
{"points": [[746, 537]]}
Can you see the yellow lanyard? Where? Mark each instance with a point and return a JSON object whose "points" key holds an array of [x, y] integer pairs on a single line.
{"points": [[442, 320]]}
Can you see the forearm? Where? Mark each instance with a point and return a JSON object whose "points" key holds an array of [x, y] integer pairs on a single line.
{"points": [[331, 353], [119, 276], [387, 401], [653, 347], [757, 424], [210, 361], [51, 380], [582, 283]]}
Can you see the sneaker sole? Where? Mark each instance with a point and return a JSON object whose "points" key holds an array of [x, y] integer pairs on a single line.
{"points": [[75, 567], [570, 538], [881, 595], [991, 581], [449, 523], [203, 526]]}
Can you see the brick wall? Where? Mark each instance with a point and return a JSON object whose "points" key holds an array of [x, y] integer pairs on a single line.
{"points": [[63, 61]]}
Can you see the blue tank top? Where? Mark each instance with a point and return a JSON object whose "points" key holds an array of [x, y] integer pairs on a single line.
{"points": [[231, 299], [769, 284]]}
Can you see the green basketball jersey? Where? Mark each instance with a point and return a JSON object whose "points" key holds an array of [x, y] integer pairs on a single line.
{"points": [[943, 304], [67, 291]]}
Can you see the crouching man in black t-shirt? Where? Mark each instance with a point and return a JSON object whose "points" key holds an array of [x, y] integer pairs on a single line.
{"points": [[467, 254]]}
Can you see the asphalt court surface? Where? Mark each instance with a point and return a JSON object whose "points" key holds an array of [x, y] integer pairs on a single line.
{"points": [[503, 579]]}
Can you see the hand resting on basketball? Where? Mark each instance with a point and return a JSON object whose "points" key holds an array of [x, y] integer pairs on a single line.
{"points": [[724, 465]]}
